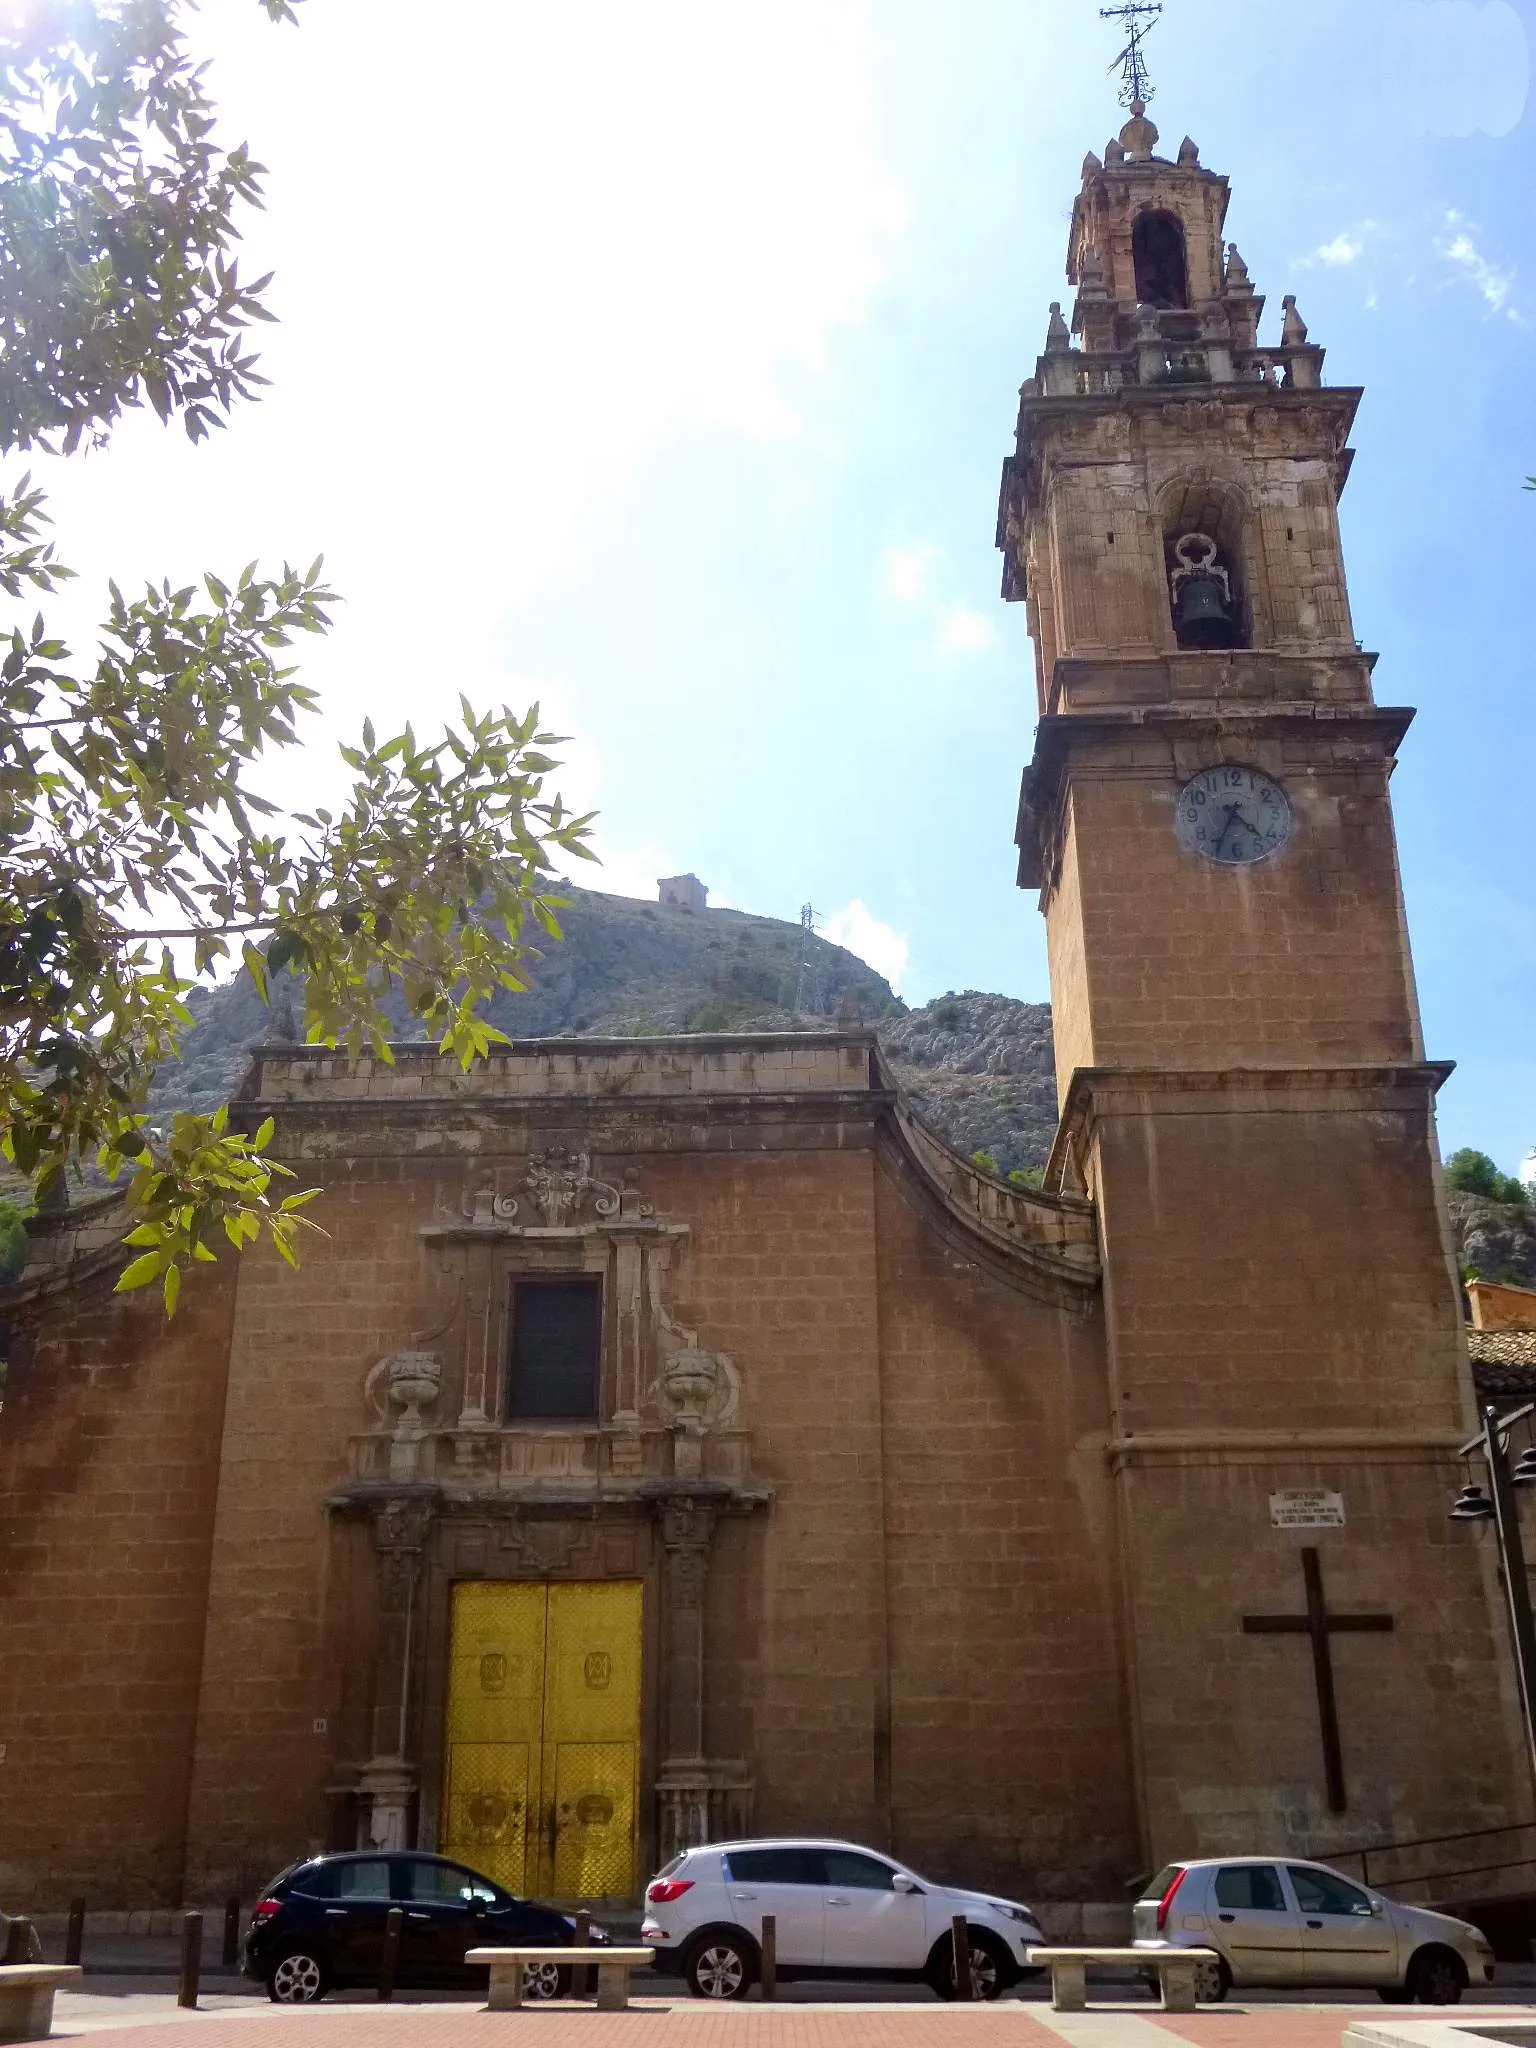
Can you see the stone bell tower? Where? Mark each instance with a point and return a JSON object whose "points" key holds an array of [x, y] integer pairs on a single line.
{"points": [[1242, 1080]]}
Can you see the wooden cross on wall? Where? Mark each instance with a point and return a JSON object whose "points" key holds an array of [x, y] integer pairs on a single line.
{"points": [[1320, 1625]]}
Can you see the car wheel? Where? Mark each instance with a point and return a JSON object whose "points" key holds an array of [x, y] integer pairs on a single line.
{"points": [[992, 1970], [298, 1978], [1436, 1976], [545, 1980], [720, 1966], [1212, 1982]]}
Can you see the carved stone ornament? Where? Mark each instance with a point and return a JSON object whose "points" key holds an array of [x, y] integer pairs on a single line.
{"points": [[408, 1381], [686, 1529], [542, 1548], [402, 1526], [561, 1182], [697, 1389], [487, 1207], [400, 1531]]}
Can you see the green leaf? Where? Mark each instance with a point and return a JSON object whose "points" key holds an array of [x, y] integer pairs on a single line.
{"points": [[140, 1272]]}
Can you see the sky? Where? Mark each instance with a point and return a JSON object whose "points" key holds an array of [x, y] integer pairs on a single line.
{"points": [[657, 363]]}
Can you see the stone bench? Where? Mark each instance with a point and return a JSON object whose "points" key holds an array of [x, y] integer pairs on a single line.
{"points": [[26, 1998], [612, 1965], [1175, 1969]]}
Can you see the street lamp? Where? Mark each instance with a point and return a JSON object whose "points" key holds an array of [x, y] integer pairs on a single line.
{"points": [[1500, 1505]]}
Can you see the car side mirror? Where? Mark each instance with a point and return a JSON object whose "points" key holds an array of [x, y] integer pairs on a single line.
{"points": [[902, 1883], [478, 1907], [1378, 1909]]}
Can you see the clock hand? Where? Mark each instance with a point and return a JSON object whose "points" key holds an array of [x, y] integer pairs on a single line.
{"points": [[1226, 828]]}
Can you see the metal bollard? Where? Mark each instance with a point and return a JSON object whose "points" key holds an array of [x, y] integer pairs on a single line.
{"points": [[231, 1954], [389, 1960], [18, 1942], [581, 1980], [768, 1975], [191, 1959], [964, 1988], [74, 1933]]}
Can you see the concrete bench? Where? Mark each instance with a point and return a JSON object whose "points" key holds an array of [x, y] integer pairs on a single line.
{"points": [[1175, 1969], [26, 1998], [612, 1965]]}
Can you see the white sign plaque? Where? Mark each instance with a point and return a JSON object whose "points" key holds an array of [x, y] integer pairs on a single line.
{"points": [[1306, 1507]]}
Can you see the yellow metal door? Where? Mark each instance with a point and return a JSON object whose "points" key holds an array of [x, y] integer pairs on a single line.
{"points": [[543, 1736], [492, 1800], [591, 1761]]}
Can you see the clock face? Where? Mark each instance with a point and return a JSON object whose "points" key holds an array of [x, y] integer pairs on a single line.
{"points": [[1233, 815]]}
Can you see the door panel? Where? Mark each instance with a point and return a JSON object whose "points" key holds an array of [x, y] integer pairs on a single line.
{"points": [[355, 1916], [1254, 1924], [591, 1757], [542, 1745], [869, 1924], [487, 1807], [439, 1923], [790, 1884], [1343, 1940], [495, 1715], [594, 1819]]}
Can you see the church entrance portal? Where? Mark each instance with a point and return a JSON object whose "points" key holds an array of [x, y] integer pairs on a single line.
{"points": [[542, 1753]]}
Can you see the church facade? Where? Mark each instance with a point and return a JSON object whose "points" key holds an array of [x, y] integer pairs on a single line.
{"points": [[672, 1438]]}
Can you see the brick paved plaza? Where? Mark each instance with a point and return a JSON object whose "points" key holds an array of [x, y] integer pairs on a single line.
{"points": [[667, 2023]]}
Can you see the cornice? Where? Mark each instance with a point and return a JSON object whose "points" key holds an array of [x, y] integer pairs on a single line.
{"points": [[1364, 1087]]}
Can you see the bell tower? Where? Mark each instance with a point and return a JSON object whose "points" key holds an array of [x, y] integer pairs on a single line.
{"points": [[1241, 1074]]}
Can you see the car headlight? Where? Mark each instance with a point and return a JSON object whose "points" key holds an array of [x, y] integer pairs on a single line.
{"points": [[1022, 1914]]}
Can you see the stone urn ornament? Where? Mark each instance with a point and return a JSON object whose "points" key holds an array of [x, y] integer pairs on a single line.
{"points": [[412, 1381], [690, 1381]]}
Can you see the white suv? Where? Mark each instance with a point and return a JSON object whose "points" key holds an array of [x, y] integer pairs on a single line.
{"points": [[839, 1911]]}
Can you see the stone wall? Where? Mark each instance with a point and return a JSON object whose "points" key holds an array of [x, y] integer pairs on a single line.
{"points": [[109, 1449], [908, 1631]]}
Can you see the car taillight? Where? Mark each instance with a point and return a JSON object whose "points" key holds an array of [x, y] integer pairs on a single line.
{"points": [[265, 1908], [666, 1889], [1167, 1899]]}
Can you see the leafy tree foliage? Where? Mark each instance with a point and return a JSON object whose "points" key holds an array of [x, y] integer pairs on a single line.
{"points": [[13, 1240], [1475, 1174], [139, 851]]}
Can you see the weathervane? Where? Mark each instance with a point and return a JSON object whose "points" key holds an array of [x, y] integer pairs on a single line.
{"points": [[1138, 16]]}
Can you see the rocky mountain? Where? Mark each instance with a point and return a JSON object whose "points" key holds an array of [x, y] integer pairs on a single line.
{"points": [[978, 1067], [982, 1069], [1497, 1239]]}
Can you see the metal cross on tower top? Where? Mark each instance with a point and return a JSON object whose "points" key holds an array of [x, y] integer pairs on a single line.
{"points": [[1139, 17]]}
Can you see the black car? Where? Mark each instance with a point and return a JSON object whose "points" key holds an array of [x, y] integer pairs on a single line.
{"points": [[320, 1926]]}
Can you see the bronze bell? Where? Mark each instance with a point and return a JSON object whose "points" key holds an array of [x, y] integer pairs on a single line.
{"points": [[1202, 596]]}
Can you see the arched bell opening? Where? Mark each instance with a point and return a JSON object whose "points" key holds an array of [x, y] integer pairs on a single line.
{"points": [[1161, 259], [1203, 560]]}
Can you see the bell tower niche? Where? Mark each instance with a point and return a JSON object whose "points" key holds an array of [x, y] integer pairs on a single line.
{"points": [[1242, 1082]]}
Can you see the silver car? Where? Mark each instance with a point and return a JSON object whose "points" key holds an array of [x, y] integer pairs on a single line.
{"points": [[1279, 1921]]}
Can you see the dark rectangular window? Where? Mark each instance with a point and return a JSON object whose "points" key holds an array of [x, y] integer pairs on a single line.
{"points": [[557, 1346]]}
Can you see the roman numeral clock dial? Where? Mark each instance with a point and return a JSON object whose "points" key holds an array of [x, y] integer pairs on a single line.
{"points": [[1233, 815]]}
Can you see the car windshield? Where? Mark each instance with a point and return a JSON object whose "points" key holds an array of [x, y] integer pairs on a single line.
{"points": [[1155, 1887]]}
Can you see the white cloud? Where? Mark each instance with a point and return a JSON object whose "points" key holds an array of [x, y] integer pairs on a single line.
{"points": [[1342, 250], [907, 572], [620, 251], [1454, 67], [966, 632], [1460, 247], [879, 945]]}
